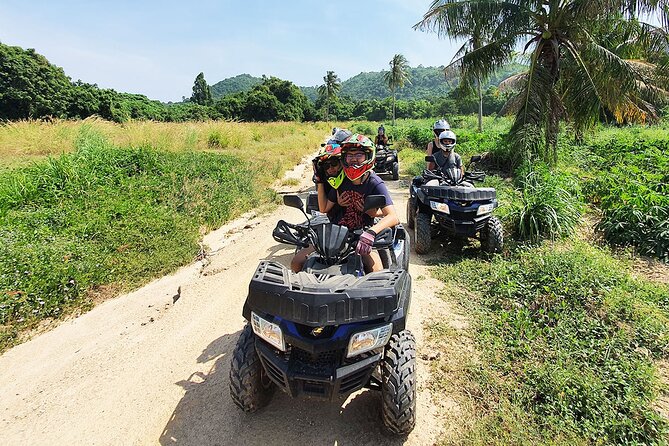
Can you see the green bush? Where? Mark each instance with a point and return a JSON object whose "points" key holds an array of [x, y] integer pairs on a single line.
{"points": [[630, 183], [550, 206]]}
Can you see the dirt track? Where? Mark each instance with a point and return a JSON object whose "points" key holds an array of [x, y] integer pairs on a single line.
{"points": [[151, 367]]}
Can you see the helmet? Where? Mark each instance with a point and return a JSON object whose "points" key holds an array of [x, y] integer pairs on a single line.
{"points": [[357, 142], [382, 130], [439, 126], [327, 152], [334, 130], [339, 136], [445, 136]]}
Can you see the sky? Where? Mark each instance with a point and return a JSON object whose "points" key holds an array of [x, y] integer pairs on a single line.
{"points": [[157, 48]]}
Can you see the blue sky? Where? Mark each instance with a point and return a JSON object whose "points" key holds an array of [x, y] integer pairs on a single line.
{"points": [[157, 48]]}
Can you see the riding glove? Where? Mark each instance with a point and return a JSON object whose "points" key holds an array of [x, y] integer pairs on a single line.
{"points": [[364, 246]]}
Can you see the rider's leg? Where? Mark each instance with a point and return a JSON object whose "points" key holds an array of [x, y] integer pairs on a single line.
{"points": [[298, 261], [372, 262]]}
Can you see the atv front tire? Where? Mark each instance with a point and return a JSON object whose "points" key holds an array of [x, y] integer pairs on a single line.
{"points": [[411, 213], [396, 170], [398, 385], [250, 388], [492, 236], [423, 232]]}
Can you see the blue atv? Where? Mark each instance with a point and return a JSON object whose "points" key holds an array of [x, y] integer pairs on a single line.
{"points": [[447, 205], [330, 329]]}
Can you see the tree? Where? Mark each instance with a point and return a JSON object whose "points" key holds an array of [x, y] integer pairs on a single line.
{"points": [[328, 91], [574, 73], [201, 91], [397, 76], [31, 87]]}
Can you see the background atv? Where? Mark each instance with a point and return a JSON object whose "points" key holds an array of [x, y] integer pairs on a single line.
{"points": [[387, 161], [460, 210], [330, 329]]}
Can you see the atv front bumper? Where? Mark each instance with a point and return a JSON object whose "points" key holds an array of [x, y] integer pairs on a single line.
{"points": [[300, 373], [462, 227]]}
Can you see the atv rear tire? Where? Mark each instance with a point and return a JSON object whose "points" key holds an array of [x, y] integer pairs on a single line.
{"points": [[411, 213], [492, 236], [398, 384], [250, 388], [396, 170], [423, 233]]}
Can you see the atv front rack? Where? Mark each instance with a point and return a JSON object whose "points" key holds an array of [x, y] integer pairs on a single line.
{"points": [[318, 300]]}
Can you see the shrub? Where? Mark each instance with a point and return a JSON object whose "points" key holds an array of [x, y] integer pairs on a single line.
{"points": [[630, 184], [550, 206]]}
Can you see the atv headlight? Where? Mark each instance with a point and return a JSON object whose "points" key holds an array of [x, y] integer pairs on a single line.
{"points": [[268, 331], [365, 341], [485, 209], [441, 207]]}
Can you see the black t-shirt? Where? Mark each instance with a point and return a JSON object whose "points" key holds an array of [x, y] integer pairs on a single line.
{"points": [[447, 162], [352, 216]]}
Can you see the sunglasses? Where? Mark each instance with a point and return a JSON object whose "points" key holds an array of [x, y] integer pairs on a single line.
{"points": [[333, 162]]}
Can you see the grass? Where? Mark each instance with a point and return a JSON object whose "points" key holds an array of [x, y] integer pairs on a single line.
{"points": [[277, 145], [103, 216], [567, 341]]}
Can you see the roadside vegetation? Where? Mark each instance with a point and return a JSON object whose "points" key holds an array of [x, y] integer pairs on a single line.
{"points": [[569, 334], [115, 210]]}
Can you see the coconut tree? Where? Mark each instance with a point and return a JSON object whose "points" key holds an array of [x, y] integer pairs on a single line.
{"points": [[474, 39], [328, 91], [397, 76], [573, 73]]}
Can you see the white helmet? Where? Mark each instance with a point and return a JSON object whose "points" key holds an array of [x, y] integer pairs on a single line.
{"points": [[442, 125], [445, 139]]}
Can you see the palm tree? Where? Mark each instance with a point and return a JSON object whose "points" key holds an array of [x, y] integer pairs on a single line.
{"points": [[397, 76], [475, 38], [573, 74], [328, 91]]}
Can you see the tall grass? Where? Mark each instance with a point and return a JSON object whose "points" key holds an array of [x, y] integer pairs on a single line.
{"points": [[279, 145], [550, 205]]}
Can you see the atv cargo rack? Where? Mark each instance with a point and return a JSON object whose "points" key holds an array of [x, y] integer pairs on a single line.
{"points": [[317, 300]]}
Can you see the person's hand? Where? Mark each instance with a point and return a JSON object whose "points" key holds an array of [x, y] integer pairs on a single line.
{"points": [[317, 176], [344, 199], [364, 246]]}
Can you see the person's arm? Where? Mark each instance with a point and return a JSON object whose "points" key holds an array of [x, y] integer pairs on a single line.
{"points": [[462, 166], [389, 219], [322, 198], [430, 165]]}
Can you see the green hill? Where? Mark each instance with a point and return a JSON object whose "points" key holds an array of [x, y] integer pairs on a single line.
{"points": [[241, 82], [426, 82]]}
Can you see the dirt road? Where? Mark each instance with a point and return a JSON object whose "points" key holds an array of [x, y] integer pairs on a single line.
{"points": [[151, 367]]}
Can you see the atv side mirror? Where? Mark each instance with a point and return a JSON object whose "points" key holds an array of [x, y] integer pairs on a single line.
{"points": [[293, 201], [430, 159], [475, 159], [374, 202]]}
